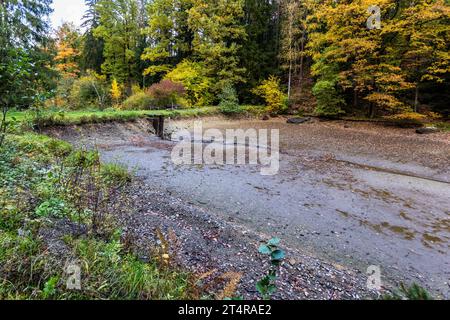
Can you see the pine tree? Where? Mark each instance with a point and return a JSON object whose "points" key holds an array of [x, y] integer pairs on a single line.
{"points": [[171, 39], [258, 53], [24, 55], [120, 32], [218, 33], [92, 57]]}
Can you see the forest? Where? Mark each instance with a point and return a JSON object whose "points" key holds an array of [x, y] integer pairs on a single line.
{"points": [[320, 61], [308, 56]]}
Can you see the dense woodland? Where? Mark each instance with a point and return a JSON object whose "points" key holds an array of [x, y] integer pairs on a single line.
{"points": [[309, 55]]}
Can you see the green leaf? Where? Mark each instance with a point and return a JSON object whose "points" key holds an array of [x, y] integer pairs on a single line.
{"points": [[272, 289], [278, 255], [261, 287], [272, 275], [274, 242], [264, 249]]}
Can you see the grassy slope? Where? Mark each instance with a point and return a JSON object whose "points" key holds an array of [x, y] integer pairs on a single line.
{"points": [[34, 170], [83, 117]]}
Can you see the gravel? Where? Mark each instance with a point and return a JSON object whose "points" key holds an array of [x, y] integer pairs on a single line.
{"points": [[211, 248]]}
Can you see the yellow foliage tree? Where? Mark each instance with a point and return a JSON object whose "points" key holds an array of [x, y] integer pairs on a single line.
{"points": [[116, 92], [271, 92], [68, 51]]}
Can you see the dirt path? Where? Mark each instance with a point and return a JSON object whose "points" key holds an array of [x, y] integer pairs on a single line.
{"points": [[351, 194]]}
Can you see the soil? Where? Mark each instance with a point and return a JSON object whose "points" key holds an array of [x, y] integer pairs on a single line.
{"points": [[348, 196]]}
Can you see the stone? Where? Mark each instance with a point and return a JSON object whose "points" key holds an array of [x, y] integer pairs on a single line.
{"points": [[427, 130], [298, 120]]}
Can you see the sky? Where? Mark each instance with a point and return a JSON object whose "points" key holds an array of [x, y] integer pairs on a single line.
{"points": [[67, 11]]}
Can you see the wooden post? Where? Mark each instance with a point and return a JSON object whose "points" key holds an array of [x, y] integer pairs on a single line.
{"points": [[161, 127], [158, 125]]}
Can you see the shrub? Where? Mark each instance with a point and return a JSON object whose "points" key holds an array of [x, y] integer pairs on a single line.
{"points": [[53, 208], [329, 102], [63, 92], [167, 94], [270, 91], [197, 84], [408, 118], [229, 102], [114, 174], [91, 90], [138, 101]]}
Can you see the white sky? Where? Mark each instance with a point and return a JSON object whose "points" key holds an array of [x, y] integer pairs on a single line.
{"points": [[67, 11]]}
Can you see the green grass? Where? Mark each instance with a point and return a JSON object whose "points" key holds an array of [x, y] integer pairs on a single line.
{"points": [[444, 126], [36, 192], [87, 117]]}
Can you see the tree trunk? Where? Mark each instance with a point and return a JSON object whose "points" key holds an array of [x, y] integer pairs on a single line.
{"points": [[371, 111], [3, 125], [416, 99], [302, 60], [290, 80]]}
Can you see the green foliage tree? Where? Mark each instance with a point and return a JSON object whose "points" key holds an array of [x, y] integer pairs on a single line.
{"points": [[171, 38], [92, 57], [229, 101], [197, 83], [24, 55], [120, 31], [218, 34], [329, 102], [259, 51]]}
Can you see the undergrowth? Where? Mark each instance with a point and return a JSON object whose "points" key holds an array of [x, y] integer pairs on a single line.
{"points": [[57, 208], [41, 119]]}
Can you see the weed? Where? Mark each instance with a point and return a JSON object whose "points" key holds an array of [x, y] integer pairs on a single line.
{"points": [[414, 292], [54, 208], [267, 285]]}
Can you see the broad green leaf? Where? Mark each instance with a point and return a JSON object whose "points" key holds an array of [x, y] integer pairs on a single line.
{"points": [[274, 241], [264, 249], [278, 255]]}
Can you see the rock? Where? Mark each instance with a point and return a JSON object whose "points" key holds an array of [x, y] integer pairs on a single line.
{"points": [[427, 130], [266, 118], [298, 120]]}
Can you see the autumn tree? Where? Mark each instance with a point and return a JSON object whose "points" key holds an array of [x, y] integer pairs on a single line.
{"points": [[193, 77], [351, 58], [68, 46], [116, 91], [381, 67], [423, 35]]}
